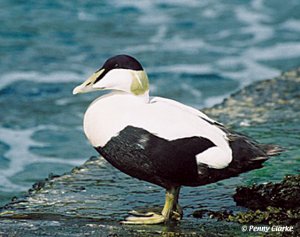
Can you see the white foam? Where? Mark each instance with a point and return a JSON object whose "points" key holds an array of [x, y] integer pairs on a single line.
{"points": [[250, 67], [141, 5], [85, 16], [251, 71], [279, 51], [291, 25], [250, 16], [258, 5], [55, 77], [157, 20], [184, 68], [254, 21], [141, 48], [213, 100], [191, 90], [147, 5], [160, 42], [19, 142], [160, 34], [152, 13]]}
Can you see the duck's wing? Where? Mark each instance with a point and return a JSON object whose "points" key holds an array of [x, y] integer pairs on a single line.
{"points": [[246, 153], [201, 126], [184, 108]]}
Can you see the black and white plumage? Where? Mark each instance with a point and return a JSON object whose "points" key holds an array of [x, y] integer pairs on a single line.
{"points": [[160, 140]]}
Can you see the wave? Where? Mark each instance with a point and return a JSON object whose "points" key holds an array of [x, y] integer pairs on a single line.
{"points": [[54, 77], [20, 142]]}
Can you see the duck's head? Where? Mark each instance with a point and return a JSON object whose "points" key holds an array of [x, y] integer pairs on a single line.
{"points": [[122, 73]]}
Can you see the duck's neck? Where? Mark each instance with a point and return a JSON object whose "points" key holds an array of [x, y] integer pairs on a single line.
{"points": [[142, 97], [145, 97]]}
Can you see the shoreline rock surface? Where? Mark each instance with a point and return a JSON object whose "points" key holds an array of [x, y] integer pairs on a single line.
{"points": [[274, 204]]}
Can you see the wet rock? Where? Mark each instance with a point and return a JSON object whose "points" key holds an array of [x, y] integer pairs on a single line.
{"points": [[284, 195], [261, 101], [274, 204]]}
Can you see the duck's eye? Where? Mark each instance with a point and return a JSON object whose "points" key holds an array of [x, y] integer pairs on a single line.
{"points": [[116, 65]]}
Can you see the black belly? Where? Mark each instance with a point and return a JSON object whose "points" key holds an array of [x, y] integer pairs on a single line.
{"points": [[148, 157]]}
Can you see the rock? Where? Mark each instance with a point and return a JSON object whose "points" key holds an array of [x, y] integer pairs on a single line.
{"points": [[261, 101], [274, 204], [284, 195]]}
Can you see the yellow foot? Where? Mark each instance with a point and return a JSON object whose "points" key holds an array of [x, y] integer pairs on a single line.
{"points": [[171, 211], [149, 218]]}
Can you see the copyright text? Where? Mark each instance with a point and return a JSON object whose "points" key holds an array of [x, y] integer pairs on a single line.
{"points": [[266, 228]]}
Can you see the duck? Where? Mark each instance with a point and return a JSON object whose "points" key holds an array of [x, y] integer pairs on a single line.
{"points": [[160, 140]]}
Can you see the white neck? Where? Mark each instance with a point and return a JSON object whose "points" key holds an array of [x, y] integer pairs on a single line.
{"points": [[143, 97]]}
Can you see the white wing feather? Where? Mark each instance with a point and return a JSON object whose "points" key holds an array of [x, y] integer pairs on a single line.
{"points": [[183, 107]]}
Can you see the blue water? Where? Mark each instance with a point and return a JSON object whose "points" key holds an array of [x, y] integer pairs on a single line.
{"points": [[197, 52]]}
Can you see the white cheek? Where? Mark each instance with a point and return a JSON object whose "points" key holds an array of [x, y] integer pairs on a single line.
{"points": [[118, 79]]}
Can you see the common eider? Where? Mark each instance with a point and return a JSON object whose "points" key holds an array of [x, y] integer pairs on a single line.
{"points": [[160, 140]]}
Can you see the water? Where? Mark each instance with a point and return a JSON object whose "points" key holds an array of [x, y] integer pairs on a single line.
{"points": [[197, 52]]}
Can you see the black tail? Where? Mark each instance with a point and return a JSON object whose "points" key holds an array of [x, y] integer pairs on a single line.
{"points": [[248, 154], [271, 150]]}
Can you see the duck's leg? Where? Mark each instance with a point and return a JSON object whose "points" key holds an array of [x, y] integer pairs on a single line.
{"points": [[170, 211], [177, 212]]}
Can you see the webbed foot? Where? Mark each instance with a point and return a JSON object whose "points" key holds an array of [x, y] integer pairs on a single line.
{"points": [[148, 218], [171, 211]]}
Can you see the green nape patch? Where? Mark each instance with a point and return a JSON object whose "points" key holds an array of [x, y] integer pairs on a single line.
{"points": [[140, 83]]}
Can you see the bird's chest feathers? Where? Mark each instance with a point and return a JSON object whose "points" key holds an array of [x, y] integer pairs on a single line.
{"points": [[108, 115]]}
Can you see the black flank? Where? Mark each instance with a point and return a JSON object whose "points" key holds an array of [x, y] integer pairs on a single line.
{"points": [[145, 156]]}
